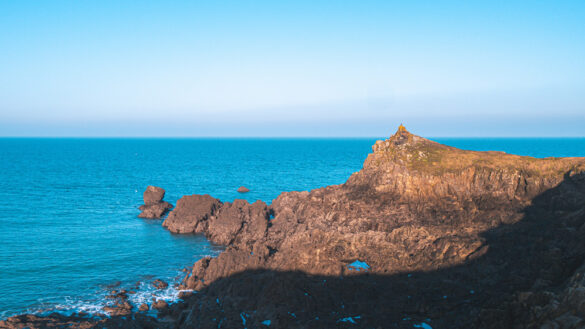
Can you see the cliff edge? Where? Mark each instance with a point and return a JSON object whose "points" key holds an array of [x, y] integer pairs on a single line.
{"points": [[423, 231]]}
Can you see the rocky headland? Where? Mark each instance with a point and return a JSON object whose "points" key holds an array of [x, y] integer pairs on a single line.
{"points": [[425, 235]]}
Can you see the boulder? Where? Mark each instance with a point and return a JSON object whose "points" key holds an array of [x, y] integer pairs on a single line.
{"points": [[119, 309], [160, 305], [191, 214], [154, 206], [185, 294], [243, 189], [160, 284], [153, 195]]}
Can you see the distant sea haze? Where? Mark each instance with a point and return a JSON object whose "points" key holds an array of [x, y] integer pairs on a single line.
{"points": [[69, 206]]}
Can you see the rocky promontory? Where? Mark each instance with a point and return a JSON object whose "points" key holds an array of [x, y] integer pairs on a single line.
{"points": [[424, 235], [452, 238]]}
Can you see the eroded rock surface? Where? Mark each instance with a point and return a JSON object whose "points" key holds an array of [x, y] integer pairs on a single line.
{"points": [[191, 214], [450, 237], [154, 206]]}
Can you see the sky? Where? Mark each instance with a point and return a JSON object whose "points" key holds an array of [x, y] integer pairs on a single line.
{"points": [[292, 68]]}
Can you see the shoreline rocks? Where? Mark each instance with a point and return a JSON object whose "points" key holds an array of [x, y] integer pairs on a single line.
{"points": [[154, 207], [160, 284]]}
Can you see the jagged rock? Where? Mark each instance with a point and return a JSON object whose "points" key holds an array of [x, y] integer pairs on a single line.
{"points": [[54, 320], [160, 305], [153, 195], [243, 189], [119, 309], [185, 294], [191, 214], [123, 295], [160, 284], [143, 307], [247, 222], [153, 206]]}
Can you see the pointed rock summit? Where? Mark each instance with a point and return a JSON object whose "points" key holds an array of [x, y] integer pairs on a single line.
{"points": [[400, 138], [401, 129]]}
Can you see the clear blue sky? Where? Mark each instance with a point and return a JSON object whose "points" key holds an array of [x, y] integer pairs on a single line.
{"points": [[292, 68]]}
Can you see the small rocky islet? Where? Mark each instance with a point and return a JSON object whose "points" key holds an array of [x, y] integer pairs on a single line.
{"points": [[154, 207], [424, 235]]}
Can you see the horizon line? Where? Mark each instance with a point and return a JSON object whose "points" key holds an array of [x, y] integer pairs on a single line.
{"points": [[270, 137]]}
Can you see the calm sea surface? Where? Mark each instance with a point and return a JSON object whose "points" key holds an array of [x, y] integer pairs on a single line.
{"points": [[68, 207]]}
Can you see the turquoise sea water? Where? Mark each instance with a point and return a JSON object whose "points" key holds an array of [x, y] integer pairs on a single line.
{"points": [[68, 207]]}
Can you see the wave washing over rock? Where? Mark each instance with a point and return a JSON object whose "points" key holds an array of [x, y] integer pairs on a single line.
{"points": [[424, 236]]}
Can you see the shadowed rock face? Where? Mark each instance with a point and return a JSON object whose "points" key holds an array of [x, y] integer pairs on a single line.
{"points": [[452, 238], [154, 206]]}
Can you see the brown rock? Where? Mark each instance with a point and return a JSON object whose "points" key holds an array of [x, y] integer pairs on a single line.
{"points": [[121, 308], [160, 284], [160, 305], [191, 214], [243, 189], [155, 211], [143, 307], [185, 294], [153, 206], [247, 222], [153, 195]]}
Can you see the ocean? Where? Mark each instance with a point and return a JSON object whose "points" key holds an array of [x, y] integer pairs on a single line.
{"points": [[69, 231]]}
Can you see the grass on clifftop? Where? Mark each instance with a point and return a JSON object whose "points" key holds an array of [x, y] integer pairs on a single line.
{"points": [[423, 155]]}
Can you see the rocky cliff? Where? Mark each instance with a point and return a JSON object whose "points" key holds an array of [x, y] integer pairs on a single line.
{"points": [[447, 235], [425, 235]]}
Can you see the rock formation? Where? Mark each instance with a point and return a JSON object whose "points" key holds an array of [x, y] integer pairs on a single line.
{"points": [[243, 189], [190, 213], [160, 284], [425, 235], [154, 206], [450, 237]]}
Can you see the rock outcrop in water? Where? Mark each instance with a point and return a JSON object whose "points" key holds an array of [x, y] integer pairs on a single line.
{"points": [[424, 235], [154, 206], [243, 189]]}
